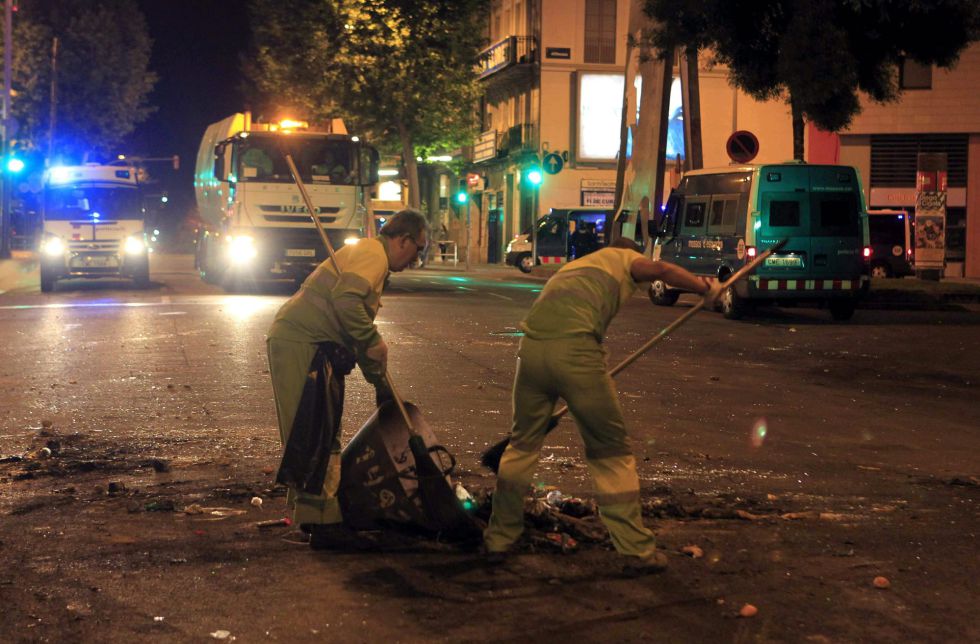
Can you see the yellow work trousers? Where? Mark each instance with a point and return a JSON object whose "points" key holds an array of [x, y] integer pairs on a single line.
{"points": [[289, 362], [573, 369]]}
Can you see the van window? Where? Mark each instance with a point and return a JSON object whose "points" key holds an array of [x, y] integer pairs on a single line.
{"points": [[784, 214], [722, 220], [887, 229], [694, 214], [837, 215]]}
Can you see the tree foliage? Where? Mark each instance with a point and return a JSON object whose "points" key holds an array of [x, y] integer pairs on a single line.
{"points": [[103, 78], [401, 70], [818, 54]]}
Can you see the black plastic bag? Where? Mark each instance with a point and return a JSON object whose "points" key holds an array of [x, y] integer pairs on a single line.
{"points": [[317, 422]]}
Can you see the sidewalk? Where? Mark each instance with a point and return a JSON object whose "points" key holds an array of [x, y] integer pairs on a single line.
{"points": [[19, 272]]}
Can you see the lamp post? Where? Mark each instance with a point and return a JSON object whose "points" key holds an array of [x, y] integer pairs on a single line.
{"points": [[4, 183]]}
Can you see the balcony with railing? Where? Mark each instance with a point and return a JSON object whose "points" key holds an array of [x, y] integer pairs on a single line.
{"points": [[513, 142], [508, 64]]}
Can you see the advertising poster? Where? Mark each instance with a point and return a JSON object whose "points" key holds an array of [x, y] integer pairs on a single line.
{"points": [[930, 213]]}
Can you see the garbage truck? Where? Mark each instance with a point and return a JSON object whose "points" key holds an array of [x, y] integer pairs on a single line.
{"points": [[93, 225], [255, 224]]}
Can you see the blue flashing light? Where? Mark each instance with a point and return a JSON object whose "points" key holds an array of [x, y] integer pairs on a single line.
{"points": [[15, 165], [95, 215], [59, 174], [901, 217]]}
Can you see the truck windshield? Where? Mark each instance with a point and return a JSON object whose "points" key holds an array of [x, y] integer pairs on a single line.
{"points": [[74, 202], [319, 160]]}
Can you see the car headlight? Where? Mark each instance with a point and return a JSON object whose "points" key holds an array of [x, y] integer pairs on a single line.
{"points": [[53, 247], [134, 246], [241, 249]]}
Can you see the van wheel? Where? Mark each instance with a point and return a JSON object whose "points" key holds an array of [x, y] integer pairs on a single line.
{"points": [[661, 295], [880, 270], [732, 306], [842, 309], [525, 263]]}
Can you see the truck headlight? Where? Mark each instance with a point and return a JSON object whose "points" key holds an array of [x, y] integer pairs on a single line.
{"points": [[53, 247], [241, 249], [134, 246]]}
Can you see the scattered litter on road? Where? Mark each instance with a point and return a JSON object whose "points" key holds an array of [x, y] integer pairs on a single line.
{"points": [[748, 610], [881, 582], [693, 551], [222, 635], [274, 523], [158, 618], [256, 502]]}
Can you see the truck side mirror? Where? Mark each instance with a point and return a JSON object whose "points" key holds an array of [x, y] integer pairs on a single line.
{"points": [[220, 167], [369, 164]]}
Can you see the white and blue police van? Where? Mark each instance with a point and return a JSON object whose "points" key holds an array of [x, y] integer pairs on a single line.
{"points": [[93, 225]]}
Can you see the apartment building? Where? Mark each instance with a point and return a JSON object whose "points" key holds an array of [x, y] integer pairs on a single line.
{"points": [[553, 77]]}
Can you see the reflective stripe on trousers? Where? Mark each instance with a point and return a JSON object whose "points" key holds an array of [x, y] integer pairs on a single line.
{"points": [[573, 369]]}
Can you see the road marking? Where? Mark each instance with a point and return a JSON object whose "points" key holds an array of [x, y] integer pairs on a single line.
{"points": [[503, 297], [81, 305]]}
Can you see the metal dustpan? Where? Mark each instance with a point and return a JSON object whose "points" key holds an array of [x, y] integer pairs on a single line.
{"points": [[380, 485]]}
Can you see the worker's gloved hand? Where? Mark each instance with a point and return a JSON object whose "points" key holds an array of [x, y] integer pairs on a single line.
{"points": [[378, 353], [713, 291], [382, 394]]}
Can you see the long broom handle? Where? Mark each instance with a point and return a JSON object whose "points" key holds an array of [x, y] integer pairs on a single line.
{"points": [[336, 267], [630, 359]]}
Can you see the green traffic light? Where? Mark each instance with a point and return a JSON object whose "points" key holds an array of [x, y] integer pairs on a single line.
{"points": [[534, 177], [462, 197]]}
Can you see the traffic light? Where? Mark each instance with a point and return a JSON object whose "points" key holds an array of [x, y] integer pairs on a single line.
{"points": [[461, 196], [14, 165], [534, 176]]}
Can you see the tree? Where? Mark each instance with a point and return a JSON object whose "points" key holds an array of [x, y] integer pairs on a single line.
{"points": [[818, 54], [402, 70], [103, 78]]}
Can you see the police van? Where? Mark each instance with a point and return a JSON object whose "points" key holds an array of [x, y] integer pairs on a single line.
{"points": [[564, 234], [93, 225], [719, 219]]}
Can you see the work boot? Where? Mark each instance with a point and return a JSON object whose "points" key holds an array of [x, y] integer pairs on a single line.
{"points": [[493, 558], [651, 564], [337, 536]]}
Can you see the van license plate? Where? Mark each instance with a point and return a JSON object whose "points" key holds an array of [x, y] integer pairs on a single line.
{"points": [[300, 252], [791, 261]]}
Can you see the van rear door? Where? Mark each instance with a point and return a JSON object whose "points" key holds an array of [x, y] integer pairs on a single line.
{"points": [[786, 215], [836, 227]]}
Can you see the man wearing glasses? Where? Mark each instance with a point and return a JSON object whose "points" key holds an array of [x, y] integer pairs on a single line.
{"points": [[316, 338]]}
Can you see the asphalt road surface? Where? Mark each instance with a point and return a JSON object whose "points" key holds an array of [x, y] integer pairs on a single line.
{"points": [[804, 458]]}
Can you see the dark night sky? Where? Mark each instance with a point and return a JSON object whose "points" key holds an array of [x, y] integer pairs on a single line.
{"points": [[197, 49]]}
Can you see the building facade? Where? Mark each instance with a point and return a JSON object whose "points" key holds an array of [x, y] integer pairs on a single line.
{"points": [[553, 80], [553, 77]]}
